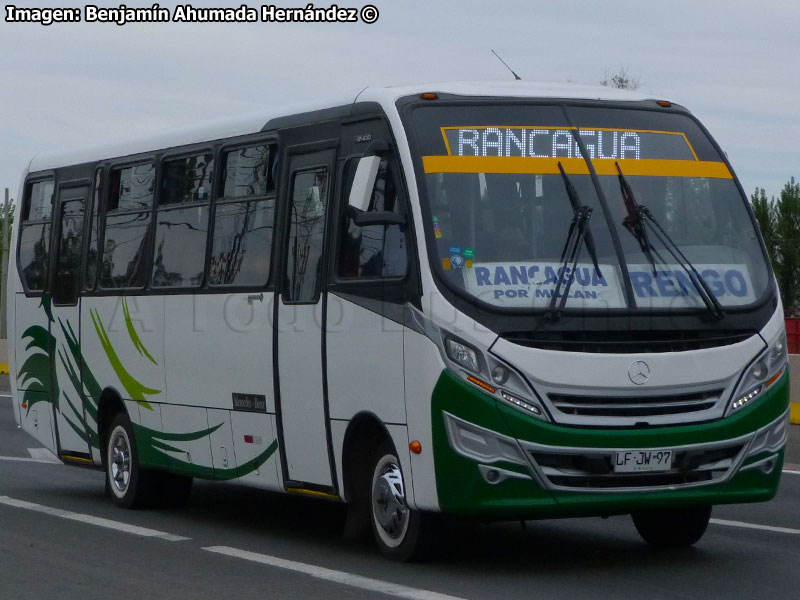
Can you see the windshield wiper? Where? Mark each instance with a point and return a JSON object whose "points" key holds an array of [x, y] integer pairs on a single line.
{"points": [[639, 217], [578, 234], [577, 206]]}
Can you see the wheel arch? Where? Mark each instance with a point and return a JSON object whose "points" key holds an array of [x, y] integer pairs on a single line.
{"points": [[364, 434]]}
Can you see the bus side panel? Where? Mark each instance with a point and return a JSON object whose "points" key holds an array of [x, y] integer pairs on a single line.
{"points": [[218, 345], [360, 338], [33, 348], [423, 367], [218, 348], [256, 447], [122, 344]]}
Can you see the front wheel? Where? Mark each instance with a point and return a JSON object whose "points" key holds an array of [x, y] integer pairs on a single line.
{"points": [[397, 529], [672, 527]]}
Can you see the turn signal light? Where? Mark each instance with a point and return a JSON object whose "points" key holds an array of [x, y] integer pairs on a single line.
{"points": [[774, 378], [415, 447], [481, 384]]}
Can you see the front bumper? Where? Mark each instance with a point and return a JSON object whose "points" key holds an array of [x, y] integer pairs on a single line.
{"points": [[494, 461]]}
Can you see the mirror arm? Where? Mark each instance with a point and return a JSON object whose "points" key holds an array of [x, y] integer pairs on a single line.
{"points": [[382, 217]]}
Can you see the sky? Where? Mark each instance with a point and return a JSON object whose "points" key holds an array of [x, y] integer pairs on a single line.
{"points": [[733, 64]]}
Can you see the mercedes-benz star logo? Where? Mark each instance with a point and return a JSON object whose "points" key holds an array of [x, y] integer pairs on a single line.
{"points": [[639, 372]]}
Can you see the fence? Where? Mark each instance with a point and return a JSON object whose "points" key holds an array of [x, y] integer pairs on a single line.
{"points": [[793, 334]]}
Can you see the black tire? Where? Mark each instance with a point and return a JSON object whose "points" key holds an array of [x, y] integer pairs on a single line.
{"points": [[672, 527], [127, 483], [400, 532]]}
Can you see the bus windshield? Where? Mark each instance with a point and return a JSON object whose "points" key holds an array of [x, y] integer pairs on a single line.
{"points": [[665, 209]]}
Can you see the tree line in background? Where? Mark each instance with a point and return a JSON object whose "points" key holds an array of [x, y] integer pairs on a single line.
{"points": [[779, 220]]}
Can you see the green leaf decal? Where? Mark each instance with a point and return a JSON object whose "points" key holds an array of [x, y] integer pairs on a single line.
{"points": [[137, 342], [135, 389], [153, 450], [35, 371]]}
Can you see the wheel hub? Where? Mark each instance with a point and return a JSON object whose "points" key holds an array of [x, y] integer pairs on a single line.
{"points": [[120, 462], [389, 501]]}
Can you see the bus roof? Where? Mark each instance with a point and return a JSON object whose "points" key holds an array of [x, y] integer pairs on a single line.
{"points": [[252, 123]]}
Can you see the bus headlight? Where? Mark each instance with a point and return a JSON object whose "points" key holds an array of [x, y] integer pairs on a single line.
{"points": [[492, 376], [462, 354], [767, 368]]}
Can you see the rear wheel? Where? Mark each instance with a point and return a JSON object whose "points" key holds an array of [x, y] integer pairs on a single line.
{"points": [[127, 484], [672, 527], [398, 530]]}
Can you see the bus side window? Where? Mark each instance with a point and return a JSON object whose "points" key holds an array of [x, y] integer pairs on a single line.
{"points": [[34, 244], [244, 218], [182, 221], [127, 221], [372, 251]]}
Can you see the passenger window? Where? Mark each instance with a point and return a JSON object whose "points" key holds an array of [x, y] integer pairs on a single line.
{"points": [[34, 244], [68, 263], [40, 203], [187, 180], [182, 222], [127, 223], [306, 234], [373, 251], [244, 218]]}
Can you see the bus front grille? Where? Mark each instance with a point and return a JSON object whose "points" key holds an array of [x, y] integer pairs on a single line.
{"points": [[626, 342], [574, 469], [634, 406]]}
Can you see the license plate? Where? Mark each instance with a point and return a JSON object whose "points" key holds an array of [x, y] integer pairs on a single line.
{"points": [[642, 461]]}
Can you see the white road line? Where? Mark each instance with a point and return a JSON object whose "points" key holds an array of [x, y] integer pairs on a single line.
{"points": [[44, 455], [744, 525], [358, 581], [791, 471], [92, 520], [30, 460]]}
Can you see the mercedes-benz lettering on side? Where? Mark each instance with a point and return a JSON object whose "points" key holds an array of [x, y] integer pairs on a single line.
{"points": [[498, 300]]}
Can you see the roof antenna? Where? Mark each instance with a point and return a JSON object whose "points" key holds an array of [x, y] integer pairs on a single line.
{"points": [[517, 77]]}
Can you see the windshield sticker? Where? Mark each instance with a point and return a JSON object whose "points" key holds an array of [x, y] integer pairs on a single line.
{"points": [[532, 284], [671, 286], [437, 230], [469, 253], [456, 261]]}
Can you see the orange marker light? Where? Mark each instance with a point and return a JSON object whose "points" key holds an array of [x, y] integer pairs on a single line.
{"points": [[415, 447], [664, 103], [481, 384], [774, 378], [429, 96], [24, 405]]}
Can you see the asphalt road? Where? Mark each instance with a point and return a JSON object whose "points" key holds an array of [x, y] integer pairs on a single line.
{"points": [[233, 542]]}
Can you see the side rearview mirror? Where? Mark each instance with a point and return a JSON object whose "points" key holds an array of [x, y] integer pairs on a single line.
{"points": [[364, 182]]}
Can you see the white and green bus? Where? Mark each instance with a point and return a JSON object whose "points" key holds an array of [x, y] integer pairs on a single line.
{"points": [[500, 300]]}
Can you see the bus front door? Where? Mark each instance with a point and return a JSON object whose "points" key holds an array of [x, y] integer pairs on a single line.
{"points": [[299, 314]]}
